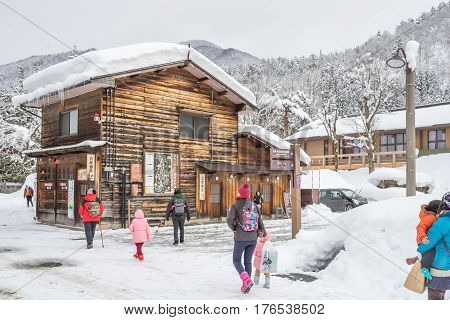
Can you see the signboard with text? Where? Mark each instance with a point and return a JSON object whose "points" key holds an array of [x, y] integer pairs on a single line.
{"points": [[90, 167], [70, 199], [202, 181], [281, 160]]}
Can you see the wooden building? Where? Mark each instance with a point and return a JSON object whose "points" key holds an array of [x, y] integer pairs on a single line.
{"points": [[154, 118], [432, 136]]}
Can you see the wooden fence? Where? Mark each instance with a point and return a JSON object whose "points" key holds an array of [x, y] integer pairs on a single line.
{"points": [[389, 159]]}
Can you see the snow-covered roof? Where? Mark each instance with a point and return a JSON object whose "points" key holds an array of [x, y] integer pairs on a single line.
{"points": [[81, 145], [396, 120], [265, 135], [272, 139], [102, 63]]}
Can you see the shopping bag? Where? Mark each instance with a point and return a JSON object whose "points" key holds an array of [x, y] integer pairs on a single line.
{"points": [[269, 258], [415, 281]]}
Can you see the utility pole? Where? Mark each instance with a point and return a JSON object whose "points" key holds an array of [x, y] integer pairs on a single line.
{"points": [[296, 195], [410, 133]]}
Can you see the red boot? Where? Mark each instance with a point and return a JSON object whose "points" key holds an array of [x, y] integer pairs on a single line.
{"points": [[136, 256], [141, 257], [247, 283]]}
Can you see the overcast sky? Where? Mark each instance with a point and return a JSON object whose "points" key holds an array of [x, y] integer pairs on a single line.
{"points": [[265, 28]]}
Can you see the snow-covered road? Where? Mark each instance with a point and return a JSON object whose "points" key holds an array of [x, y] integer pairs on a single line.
{"points": [[200, 269]]}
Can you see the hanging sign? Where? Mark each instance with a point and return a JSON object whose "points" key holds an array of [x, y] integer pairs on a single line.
{"points": [[201, 186], [90, 167], [70, 199], [82, 174]]}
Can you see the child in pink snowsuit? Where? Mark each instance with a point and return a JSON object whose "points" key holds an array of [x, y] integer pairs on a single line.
{"points": [[141, 233], [257, 260]]}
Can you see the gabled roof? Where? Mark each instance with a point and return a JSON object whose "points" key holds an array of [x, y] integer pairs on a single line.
{"points": [[426, 116], [95, 67]]}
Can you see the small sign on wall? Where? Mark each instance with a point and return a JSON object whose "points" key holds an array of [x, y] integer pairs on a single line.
{"points": [[201, 186], [136, 172], [82, 174], [90, 167], [70, 199], [134, 190]]}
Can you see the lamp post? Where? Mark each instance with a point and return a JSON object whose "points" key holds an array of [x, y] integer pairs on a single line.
{"points": [[399, 61]]}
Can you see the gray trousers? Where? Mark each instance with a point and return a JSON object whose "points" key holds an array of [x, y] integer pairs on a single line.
{"points": [[89, 229], [178, 223]]}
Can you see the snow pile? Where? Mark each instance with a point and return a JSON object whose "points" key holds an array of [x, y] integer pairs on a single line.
{"points": [[87, 143], [109, 61], [411, 49], [396, 120], [437, 167], [399, 175], [265, 135], [365, 249], [324, 179]]}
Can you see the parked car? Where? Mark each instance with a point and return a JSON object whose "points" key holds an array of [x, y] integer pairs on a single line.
{"points": [[341, 199]]}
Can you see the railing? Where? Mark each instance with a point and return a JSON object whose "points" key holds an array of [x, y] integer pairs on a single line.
{"points": [[390, 159]]}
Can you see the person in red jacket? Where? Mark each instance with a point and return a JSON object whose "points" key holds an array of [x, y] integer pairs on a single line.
{"points": [[91, 210]]}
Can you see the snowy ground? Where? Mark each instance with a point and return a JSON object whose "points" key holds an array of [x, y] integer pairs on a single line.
{"points": [[354, 255], [200, 269]]}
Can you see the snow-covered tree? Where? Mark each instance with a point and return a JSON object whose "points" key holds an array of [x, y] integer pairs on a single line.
{"points": [[19, 130], [373, 92], [333, 102]]}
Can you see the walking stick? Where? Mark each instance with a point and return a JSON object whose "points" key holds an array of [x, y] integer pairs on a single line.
{"points": [[101, 232]]}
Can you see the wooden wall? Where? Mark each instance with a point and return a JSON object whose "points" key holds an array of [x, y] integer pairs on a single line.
{"points": [[253, 152], [88, 105], [147, 109]]}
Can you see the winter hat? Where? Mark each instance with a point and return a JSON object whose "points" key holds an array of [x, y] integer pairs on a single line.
{"points": [[433, 206], [177, 191], [139, 214], [446, 201], [90, 191], [244, 191]]}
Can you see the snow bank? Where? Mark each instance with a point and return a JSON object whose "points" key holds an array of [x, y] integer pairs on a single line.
{"points": [[377, 238], [436, 166], [399, 175], [411, 49], [108, 61], [324, 179], [396, 120]]}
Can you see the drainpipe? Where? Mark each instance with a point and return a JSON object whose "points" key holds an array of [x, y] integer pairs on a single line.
{"points": [[123, 204]]}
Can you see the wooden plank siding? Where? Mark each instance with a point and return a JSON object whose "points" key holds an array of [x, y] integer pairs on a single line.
{"points": [[147, 109], [88, 105]]}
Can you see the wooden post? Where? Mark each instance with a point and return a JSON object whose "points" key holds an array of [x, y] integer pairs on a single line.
{"points": [[296, 194], [129, 210]]}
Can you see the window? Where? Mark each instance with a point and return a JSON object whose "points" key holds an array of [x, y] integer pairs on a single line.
{"points": [[325, 147], [68, 122], [194, 127], [160, 172], [436, 139], [393, 142], [346, 147]]}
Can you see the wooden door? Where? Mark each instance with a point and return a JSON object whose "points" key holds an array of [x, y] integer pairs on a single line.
{"points": [[215, 200], [267, 195]]}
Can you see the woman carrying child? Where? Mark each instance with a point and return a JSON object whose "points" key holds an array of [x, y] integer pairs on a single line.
{"points": [[438, 239]]}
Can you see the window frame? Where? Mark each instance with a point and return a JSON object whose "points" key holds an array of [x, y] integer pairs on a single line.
{"points": [[395, 142], [436, 141], [70, 122], [194, 129]]}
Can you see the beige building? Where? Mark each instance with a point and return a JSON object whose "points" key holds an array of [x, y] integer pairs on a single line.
{"points": [[432, 136]]}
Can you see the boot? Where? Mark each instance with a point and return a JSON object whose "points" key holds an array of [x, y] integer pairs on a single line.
{"points": [[267, 283], [256, 280], [136, 256], [141, 257], [247, 283]]}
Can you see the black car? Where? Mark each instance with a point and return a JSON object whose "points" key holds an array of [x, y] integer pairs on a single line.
{"points": [[341, 199]]}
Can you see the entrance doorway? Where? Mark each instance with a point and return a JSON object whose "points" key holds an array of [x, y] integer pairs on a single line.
{"points": [[215, 200], [267, 195]]}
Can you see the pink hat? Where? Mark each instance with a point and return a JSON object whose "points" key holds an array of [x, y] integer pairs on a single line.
{"points": [[244, 191]]}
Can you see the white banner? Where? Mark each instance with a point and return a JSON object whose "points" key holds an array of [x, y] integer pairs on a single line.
{"points": [[245, 308], [202, 181], [90, 167], [70, 200]]}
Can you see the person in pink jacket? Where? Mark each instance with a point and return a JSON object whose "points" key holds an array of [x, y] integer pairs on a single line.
{"points": [[141, 233], [257, 260]]}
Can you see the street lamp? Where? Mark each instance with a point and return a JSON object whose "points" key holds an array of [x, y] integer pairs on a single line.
{"points": [[397, 61]]}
